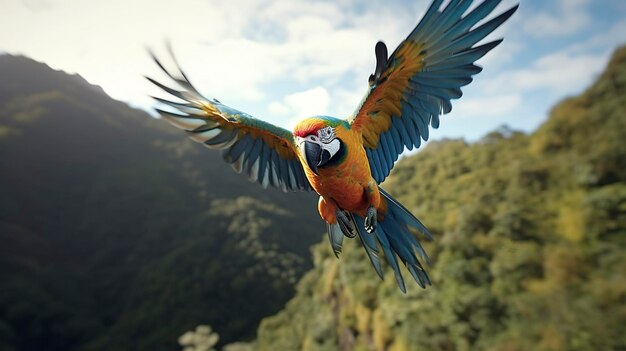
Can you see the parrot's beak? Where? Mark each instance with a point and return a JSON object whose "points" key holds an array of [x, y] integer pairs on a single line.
{"points": [[318, 154], [313, 155], [324, 158]]}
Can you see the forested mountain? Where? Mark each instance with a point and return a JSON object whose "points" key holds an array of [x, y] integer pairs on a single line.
{"points": [[529, 250], [117, 233]]}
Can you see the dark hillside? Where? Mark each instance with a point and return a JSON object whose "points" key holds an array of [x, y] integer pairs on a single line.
{"points": [[117, 233]]}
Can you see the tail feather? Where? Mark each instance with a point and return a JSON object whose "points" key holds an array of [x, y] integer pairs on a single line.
{"points": [[403, 247], [398, 225], [395, 235], [407, 242], [369, 244], [390, 255], [420, 276], [335, 236], [402, 212]]}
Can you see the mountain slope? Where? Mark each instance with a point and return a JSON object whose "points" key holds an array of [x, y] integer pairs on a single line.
{"points": [[116, 233], [529, 250]]}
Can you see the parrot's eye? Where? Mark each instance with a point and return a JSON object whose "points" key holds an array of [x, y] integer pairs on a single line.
{"points": [[326, 134]]}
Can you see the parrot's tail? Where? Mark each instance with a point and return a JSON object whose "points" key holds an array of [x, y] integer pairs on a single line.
{"points": [[396, 235]]}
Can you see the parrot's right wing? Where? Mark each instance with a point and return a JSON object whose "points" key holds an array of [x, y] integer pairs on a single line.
{"points": [[264, 152]]}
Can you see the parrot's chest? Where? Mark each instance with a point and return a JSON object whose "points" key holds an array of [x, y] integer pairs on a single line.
{"points": [[347, 192], [345, 184]]}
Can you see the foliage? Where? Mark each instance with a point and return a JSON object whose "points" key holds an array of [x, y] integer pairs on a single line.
{"points": [[203, 338], [529, 252]]}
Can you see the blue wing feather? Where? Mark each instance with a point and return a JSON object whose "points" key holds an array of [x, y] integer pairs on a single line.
{"points": [[404, 133], [263, 164], [480, 12], [233, 153], [397, 143], [409, 124], [378, 165], [385, 151]]}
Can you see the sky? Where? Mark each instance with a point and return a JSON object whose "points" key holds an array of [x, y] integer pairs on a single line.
{"points": [[284, 60]]}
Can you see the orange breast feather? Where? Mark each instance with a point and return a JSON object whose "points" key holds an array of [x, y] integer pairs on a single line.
{"points": [[345, 182]]}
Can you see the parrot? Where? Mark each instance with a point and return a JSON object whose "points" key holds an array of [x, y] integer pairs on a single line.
{"points": [[345, 160]]}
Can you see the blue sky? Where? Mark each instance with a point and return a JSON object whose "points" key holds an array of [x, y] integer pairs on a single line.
{"points": [[284, 60]]}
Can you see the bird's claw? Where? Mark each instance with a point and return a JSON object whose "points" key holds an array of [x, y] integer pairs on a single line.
{"points": [[345, 224], [370, 220]]}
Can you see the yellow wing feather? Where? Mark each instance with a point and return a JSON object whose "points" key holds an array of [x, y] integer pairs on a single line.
{"points": [[384, 101]]}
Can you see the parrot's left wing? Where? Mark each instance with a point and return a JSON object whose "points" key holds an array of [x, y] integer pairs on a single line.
{"points": [[264, 152], [410, 90]]}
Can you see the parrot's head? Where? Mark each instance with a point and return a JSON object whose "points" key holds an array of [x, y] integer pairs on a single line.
{"points": [[318, 143]]}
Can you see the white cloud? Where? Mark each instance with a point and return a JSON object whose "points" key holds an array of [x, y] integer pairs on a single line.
{"points": [[345, 102], [278, 108], [309, 102], [524, 93], [296, 106], [560, 73], [570, 17], [606, 39], [565, 70], [487, 106]]}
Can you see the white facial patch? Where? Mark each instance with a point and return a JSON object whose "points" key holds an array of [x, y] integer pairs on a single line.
{"points": [[326, 135], [325, 138], [332, 147]]}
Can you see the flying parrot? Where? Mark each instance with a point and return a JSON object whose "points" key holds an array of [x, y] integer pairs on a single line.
{"points": [[345, 160]]}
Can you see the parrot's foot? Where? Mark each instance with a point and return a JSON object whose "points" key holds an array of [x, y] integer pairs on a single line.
{"points": [[345, 224], [370, 220]]}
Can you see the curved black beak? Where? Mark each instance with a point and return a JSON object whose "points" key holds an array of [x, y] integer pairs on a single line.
{"points": [[324, 158], [312, 153]]}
